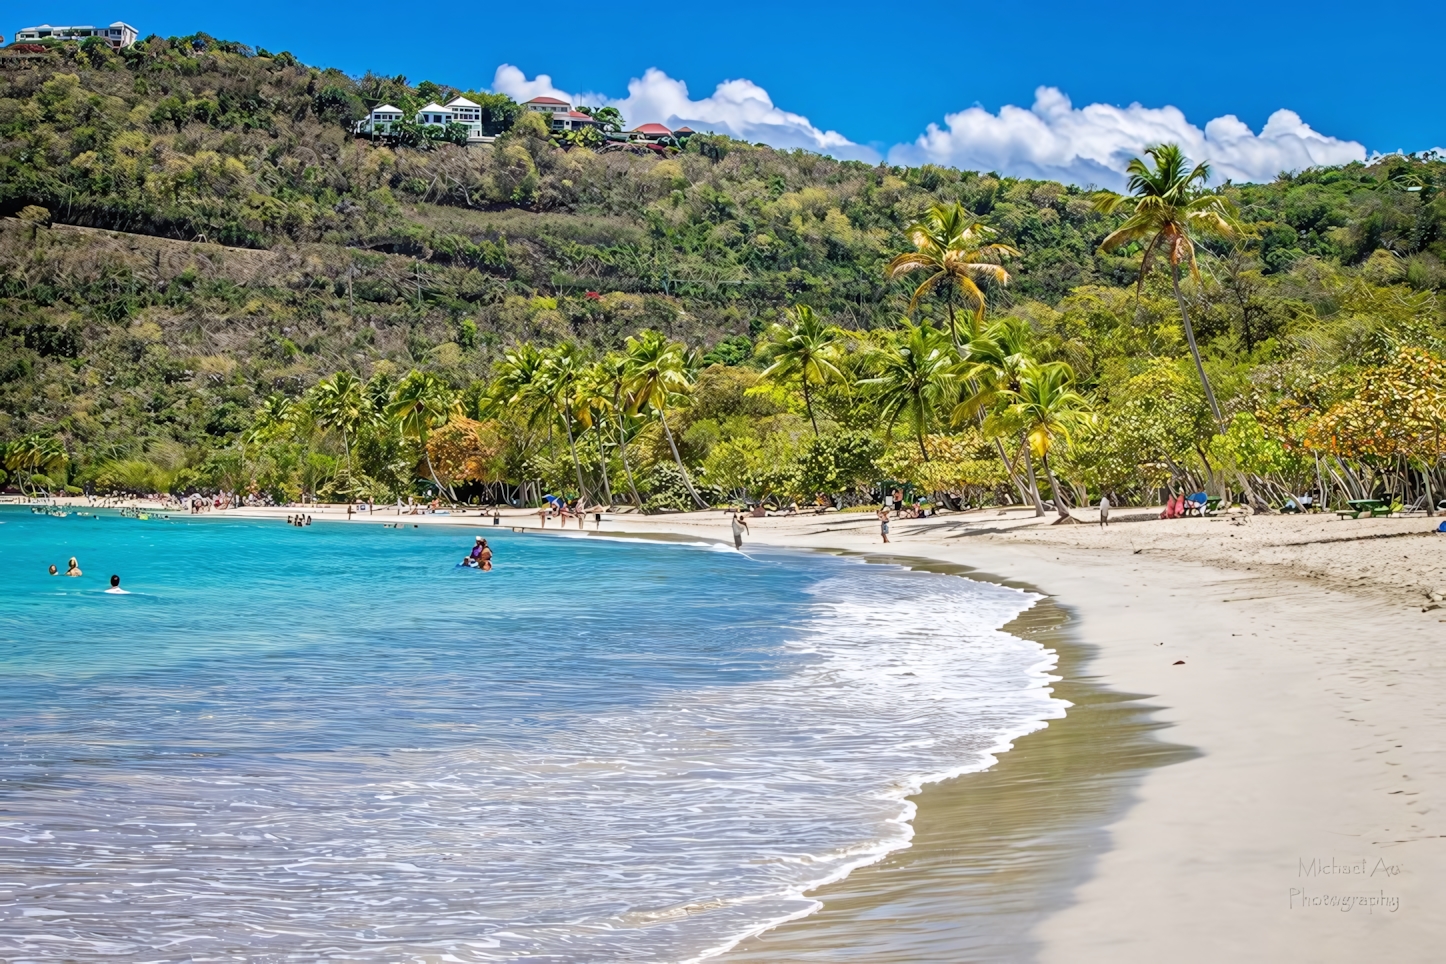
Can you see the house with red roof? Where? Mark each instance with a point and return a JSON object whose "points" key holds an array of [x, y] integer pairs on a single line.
{"points": [[650, 134], [560, 114]]}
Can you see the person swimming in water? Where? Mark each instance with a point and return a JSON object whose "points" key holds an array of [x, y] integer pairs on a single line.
{"points": [[74, 569], [485, 556], [115, 589], [54, 571]]}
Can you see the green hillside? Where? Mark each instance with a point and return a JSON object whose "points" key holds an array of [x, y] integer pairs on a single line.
{"points": [[193, 229]]}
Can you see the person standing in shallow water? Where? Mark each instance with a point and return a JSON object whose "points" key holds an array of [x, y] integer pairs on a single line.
{"points": [[740, 526]]}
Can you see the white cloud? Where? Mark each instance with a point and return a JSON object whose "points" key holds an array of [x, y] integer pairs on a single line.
{"points": [[513, 82], [1091, 145], [737, 107]]}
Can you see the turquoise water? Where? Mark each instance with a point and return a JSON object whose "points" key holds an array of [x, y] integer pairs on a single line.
{"points": [[330, 743]]}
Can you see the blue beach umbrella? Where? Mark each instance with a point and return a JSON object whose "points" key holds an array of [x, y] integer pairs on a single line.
{"points": [[553, 499]]}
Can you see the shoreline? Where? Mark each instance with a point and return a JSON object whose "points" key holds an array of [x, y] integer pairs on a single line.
{"points": [[1297, 659]]}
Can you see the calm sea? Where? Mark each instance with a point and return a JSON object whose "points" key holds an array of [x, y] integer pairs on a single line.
{"points": [[331, 744]]}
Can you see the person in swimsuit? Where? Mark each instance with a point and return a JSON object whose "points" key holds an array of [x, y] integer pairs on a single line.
{"points": [[477, 549], [74, 569], [54, 571], [884, 523], [115, 589], [485, 556]]}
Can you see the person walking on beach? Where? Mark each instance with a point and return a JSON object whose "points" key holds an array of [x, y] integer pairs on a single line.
{"points": [[740, 526], [542, 516], [884, 522], [1104, 511]]}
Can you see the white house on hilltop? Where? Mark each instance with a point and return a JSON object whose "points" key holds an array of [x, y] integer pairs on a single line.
{"points": [[118, 34], [459, 110]]}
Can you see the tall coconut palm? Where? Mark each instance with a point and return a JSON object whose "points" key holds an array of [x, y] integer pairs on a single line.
{"points": [[605, 392], [560, 385], [657, 371], [1166, 205], [1046, 408], [993, 363], [916, 373], [341, 403], [802, 349], [953, 247], [420, 404]]}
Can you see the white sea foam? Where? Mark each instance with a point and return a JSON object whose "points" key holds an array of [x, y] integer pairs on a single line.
{"points": [[666, 831]]}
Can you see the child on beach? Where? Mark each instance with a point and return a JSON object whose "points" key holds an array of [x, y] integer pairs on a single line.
{"points": [[884, 522]]}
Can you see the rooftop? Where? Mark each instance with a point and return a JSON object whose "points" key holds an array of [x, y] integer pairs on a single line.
{"points": [[460, 102], [651, 129], [548, 100]]}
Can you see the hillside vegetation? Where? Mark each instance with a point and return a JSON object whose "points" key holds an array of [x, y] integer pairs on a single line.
{"points": [[196, 240]]}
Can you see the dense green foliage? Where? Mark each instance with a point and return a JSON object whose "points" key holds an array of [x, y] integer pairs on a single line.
{"points": [[195, 231]]}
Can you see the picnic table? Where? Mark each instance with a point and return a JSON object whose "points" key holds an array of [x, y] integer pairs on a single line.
{"points": [[1374, 508]]}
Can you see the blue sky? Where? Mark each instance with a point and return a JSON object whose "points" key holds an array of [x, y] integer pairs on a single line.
{"points": [[879, 76]]}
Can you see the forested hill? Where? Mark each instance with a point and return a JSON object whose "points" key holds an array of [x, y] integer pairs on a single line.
{"points": [[194, 227]]}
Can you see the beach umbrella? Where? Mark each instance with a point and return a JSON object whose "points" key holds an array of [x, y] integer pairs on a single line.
{"points": [[553, 499]]}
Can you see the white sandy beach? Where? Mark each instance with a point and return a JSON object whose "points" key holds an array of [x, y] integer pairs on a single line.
{"points": [[1292, 653]]}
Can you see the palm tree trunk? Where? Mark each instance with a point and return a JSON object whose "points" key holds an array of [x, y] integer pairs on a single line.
{"points": [[627, 469], [1205, 382], [572, 450], [1033, 484], [677, 458], [1195, 349], [1009, 467], [808, 404], [1060, 505], [603, 458], [433, 473]]}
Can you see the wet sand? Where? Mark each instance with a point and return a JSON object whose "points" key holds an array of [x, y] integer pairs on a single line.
{"points": [[995, 852]]}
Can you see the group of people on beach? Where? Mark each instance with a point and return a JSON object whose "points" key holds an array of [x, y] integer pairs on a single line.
{"points": [[564, 511], [298, 520], [73, 570]]}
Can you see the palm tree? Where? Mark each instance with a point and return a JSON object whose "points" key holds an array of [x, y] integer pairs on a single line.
{"points": [[560, 387], [420, 404], [605, 393], [1166, 204], [657, 370], [1046, 408], [993, 363], [952, 245], [915, 374], [802, 349], [341, 403], [34, 455]]}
